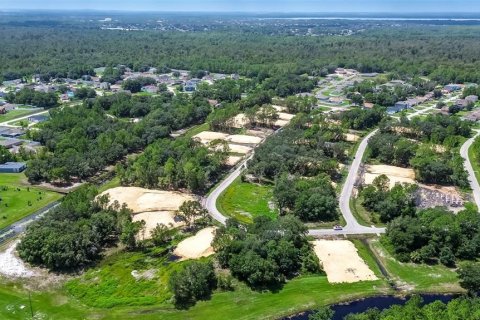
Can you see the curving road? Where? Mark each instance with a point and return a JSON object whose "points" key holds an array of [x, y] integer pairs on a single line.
{"points": [[352, 226], [474, 184]]}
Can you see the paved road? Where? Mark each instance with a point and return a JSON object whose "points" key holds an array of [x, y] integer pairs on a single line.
{"points": [[474, 184], [20, 226]]}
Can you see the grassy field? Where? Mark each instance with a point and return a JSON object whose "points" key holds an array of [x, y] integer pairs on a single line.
{"points": [[302, 293], [364, 217], [417, 277], [475, 160], [244, 201], [12, 115], [19, 200]]}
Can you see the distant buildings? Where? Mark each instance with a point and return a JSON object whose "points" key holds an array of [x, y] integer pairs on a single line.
{"points": [[452, 87], [12, 167]]}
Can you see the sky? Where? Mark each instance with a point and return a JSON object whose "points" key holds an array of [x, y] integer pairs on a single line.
{"points": [[258, 6]]}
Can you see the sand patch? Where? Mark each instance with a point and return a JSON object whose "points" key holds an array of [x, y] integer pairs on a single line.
{"points": [[235, 148], [285, 116], [281, 123], [263, 133], [156, 217], [395, 174], [244, 139], [279, 108], [240, 121], [349, 137], [197, 246], [233, 160], [13, 266], [341, 261], [206, 137], [145, 200]]}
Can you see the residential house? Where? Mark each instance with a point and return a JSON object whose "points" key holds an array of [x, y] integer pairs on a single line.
{"points": [[38, 118], [471, 99], [452, 87], [473, 116], [10, 143], [190, 86], [150, 89]]}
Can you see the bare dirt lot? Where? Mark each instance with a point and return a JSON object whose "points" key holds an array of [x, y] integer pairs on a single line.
{"points": [[145, 200], [244, 139], [12, 266], [349, 137], [206, 137], [239, 149], [285, 116], [240, 121], [341, 261], [197, 246], [233, 160], [395, 174], [156, 217]]}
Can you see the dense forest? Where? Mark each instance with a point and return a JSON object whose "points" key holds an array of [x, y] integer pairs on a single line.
{"points": [[79, 142], [429, 145], [417, 50]]}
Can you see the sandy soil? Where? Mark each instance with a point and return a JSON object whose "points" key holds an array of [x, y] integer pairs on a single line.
{"points": [[281, 123], [351, 137], [145, 200], [197, 246], [206, 137], [13, 266], [244, 139], [239, 149], [240, 121], [156, 217], [260, 133], [233, 160], [341, 261], [395, 174], [285, 116], [279, 108]]}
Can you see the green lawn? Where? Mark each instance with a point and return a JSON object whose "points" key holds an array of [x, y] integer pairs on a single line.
{"points": [[19, 200], [475, 160], [300, 294], [417, 277], [244, 201], [197, 129], [363, 216], [11, 115]]}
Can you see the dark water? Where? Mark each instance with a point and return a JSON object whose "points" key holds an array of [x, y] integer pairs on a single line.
{"points": [[342, 310]]}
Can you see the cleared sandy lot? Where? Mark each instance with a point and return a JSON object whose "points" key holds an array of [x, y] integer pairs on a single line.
{"points": [[281, 123], [395, 174], [244, 139], [285, 116], [233, 160], [197, 246], [240, 121], [12, 266], [156, 217], [279, 108], [239, 149], [349, 137], [145, 200], [341, 261], [206, 137]]}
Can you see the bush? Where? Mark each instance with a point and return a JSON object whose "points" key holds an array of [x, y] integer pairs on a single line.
{"points": [[194, 282]]}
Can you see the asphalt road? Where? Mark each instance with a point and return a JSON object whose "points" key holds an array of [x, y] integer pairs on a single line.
{"points": [[474, 184], [20, 226]]}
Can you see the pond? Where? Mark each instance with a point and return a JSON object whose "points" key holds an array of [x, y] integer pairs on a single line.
{"points": [[382, 302]]}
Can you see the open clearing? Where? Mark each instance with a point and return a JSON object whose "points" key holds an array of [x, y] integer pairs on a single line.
{"points": [[395, 174], [235, 148], [233, 160], [206, 137], [197, 246], [157, 217], [145, 200], [244, 139], [19, 199], [12, 266], [349, 137], [341, 261]]}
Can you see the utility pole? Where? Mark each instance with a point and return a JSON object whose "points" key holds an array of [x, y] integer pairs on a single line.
{"points": [[30, 300]]}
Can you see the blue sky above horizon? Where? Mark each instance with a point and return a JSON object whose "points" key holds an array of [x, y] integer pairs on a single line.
{"points": [[318, 6]]}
